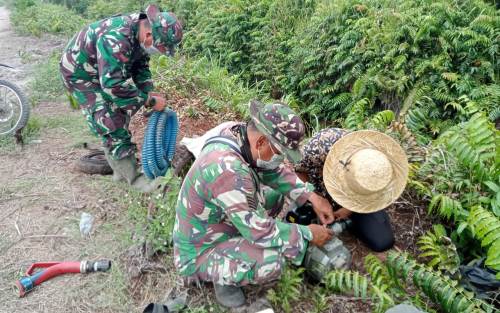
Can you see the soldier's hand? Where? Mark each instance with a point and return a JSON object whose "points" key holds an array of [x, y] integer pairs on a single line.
{"points": [[322, 208], [321, 234], [156, 101]]}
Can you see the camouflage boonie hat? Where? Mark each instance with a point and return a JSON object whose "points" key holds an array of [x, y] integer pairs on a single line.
{"points": [[283, 127], [166, 29]]}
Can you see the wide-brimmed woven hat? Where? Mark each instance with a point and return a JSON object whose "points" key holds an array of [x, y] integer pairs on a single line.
{"points": [[365, 171]]}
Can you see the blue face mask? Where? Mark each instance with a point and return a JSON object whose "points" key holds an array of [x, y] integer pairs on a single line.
{"points": [[274, 163]]}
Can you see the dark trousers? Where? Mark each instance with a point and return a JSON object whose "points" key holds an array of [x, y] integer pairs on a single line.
{"points": [[374, 230]]}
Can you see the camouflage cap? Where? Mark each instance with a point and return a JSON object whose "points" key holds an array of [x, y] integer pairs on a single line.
{"points": [[166, 29], [283, 127]]}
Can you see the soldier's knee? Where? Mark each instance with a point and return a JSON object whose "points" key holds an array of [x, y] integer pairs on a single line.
{"points": [[271, 269]]}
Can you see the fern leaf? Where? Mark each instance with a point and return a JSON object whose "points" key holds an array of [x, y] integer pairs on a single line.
{"points": [[446, 207], [441, 250], [381, 119], [485, 226], [436, 286], [356, 115]]}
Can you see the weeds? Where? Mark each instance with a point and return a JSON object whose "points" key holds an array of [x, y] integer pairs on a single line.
{"points": [[29, 133], [288, 289], [46, 83], [155, 225], [320, 302], [204, 78], [73, 125]]}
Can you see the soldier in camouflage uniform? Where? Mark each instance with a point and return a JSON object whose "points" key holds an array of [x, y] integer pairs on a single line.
{"points": [[374, 229], [105, 69], [225, 231]]}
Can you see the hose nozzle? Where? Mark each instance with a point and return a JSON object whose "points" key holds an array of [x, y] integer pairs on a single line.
{"points": [[95, 266]]}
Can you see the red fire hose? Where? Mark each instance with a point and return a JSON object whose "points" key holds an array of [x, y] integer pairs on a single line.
{"points": [[52, 269]]}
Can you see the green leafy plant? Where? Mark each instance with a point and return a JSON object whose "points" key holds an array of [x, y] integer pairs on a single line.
{"points": [[320, 303], [288, 289], [406, 138], [389, 282], [359, 285], [154, 217], [460, 173], [381, 120], [439, 288], [213, 105], [357, 114], [439, 249], [379, 274], [486, 227]]}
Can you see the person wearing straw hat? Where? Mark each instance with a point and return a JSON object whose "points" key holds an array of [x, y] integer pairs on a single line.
{"points": [[363, 172], [226, 230]]}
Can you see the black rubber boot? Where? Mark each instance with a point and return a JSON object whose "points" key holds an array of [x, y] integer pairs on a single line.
{"points": [[229, 296]]}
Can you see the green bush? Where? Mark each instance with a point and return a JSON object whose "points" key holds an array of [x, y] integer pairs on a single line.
{"points": [[251, 38], [37, 18], [461, 173], [288, 290], [400, 55], [79, 6], [101, 8]]}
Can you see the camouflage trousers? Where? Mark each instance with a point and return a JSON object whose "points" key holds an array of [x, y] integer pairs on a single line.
{"points": [[239, 262], [105, 120]]}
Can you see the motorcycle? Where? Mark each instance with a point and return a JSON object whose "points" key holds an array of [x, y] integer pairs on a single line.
{"points": [[14, 107]]}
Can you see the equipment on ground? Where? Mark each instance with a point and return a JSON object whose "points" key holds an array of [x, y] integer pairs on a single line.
{"points": [[318, 261], [14, 107], [159, 143], [94, 163], [53, 269]]}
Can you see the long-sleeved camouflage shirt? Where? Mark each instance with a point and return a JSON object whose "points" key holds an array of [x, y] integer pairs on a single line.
{"points": [[221, 198], [107, 56]]}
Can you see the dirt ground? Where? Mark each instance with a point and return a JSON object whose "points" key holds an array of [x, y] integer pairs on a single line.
{"points": [[42, 197]]}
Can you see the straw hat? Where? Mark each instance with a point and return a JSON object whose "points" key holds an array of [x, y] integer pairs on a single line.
{"points": [[365, 171]]}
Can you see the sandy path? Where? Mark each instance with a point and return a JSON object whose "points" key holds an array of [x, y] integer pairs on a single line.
{"points": [[21, 52]]}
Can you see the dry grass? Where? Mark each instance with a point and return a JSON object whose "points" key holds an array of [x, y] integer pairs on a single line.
{"points": [[42, 198]]}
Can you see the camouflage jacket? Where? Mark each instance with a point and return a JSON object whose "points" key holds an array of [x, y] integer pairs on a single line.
{"points": [[106, 55], [221, 198]]}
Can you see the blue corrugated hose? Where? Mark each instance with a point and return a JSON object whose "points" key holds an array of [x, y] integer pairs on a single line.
{"points": [[159, 143]]}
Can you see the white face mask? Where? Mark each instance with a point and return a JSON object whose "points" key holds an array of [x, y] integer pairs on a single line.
{"points": [[272, 164]]}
